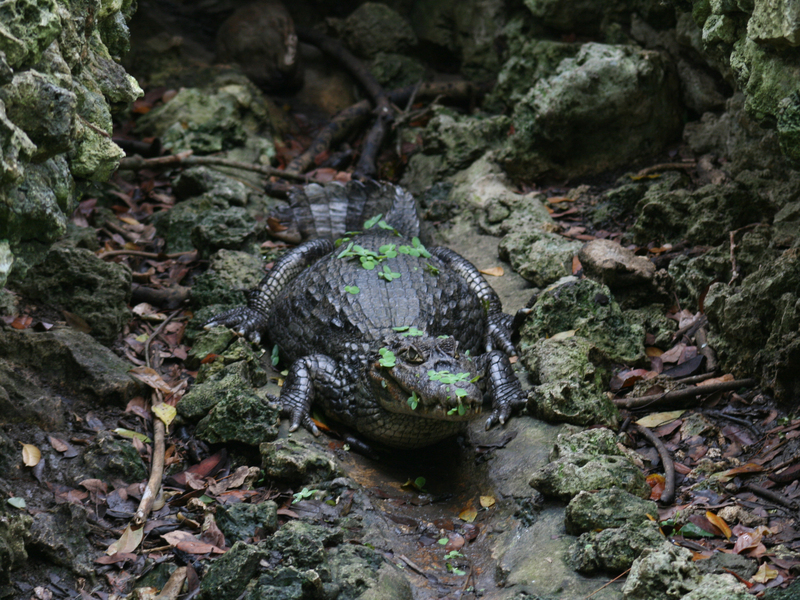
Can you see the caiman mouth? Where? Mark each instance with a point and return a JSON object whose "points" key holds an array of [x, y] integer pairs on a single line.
{"points": [[424, 397]]}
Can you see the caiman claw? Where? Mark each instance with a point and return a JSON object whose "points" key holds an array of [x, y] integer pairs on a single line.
{"points": [[498, 333], [244, 320]]}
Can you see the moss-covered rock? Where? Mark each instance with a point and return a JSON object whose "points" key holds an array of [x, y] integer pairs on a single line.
{"points": [[14, 534], [76, 280], [605, 509], [108, 456], [228, 576], [755, 326], [614, 549], [565, 477], [373, 28], [60, 536], [394, 70], [451, 142], [588, 308], [541, 257], [231, 228], [243, 417], [239, 522], [718, 587], [593, 442], [296, 461], [663, 573], [603, 108]]}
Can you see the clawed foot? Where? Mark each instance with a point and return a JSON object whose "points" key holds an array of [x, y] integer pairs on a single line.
{"points": [[244, 320], [498, 334]]}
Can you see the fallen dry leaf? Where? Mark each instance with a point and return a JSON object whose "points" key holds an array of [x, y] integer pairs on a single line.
{"points": [[764, 574], [468, 514], [493, 271], [724, 378], [165, 412], [151, 378], [128, 541], [658, 419], [31, 455], [563, 335], [57, 444], [719, 523], [487, 501]]}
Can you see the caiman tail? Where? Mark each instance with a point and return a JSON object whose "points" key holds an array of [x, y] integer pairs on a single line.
{"points": [[329, 211]]}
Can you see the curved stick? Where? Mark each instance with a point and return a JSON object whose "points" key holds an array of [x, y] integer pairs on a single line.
{"points": [[668, 495]]}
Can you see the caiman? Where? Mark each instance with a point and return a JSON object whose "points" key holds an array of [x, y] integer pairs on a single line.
{"points": [[398, 341]]}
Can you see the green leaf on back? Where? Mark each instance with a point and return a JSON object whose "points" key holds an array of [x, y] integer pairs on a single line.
{"points": [[431, 269], [388, 359], [275, 357], [340, 241], [413, 401], [460, 392], [368, 263], [353, 289], [388, 274], [452, 411], [418, 245], [462, 410], [346, 252], [413, 332], [369, 223], [401, 328], [384, 225]]}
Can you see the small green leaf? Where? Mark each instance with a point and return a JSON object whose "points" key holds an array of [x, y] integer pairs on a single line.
{"points": [[340, 241], [413, 401], [475, 379], [462, 410], [302, 494], [401, 328], [369, 223], [442, 541], [17, 502], [384, 225], [418, 245], [275, 357], [387, 359], [431, 269], [690, 530], [346, 252], [206, 499], [353, 289], [452, 411], [452, 554], [413, 332], [458, 572], [461, 392]]}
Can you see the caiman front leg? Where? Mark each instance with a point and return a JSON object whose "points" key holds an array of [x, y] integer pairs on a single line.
{"points": [[502, 384], [251, 320], [498, 334], [315, 377]]}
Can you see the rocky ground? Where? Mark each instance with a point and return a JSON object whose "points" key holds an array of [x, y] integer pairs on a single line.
{"points": [[627, 176]]}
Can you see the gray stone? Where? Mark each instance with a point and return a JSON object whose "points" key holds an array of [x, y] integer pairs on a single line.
{"points": [[718, 587], [617, 267], [374, 28], [60, 536], [593, 442], [664, 573], [241, 521]]}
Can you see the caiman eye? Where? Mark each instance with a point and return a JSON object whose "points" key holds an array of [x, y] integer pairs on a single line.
{"points": [[413, 356]]}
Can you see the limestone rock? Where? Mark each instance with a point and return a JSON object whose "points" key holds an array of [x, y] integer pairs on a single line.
{"points": [[293, 460], [605, 509], [613, 549]]}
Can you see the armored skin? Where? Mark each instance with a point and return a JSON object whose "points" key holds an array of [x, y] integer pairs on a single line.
{"points": [[398, 341]]}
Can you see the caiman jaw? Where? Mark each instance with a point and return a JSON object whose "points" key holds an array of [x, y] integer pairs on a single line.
{"points": [[443, 405]]}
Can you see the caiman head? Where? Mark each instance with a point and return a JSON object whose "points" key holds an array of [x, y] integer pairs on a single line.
{"points": [[426, 377]]}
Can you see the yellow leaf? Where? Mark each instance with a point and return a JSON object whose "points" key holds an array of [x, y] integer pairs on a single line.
{"points": [[764, 574], [493, 271], [720, 523], [563, 335], [487, 501], [128, 541], [652, 351], [165, 412], [129, 220], [658, 419], [152, 378], [468, 514], [132, 434], [30, 455]]}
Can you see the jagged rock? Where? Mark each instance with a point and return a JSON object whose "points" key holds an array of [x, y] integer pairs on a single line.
{"points": [[60, 535], [14, 534], [603, 108], [296, 461], [71, 359], [243, 417], [718, 587], [261, 39], [663, 573], [593, 442], [565, 477], [613, 549], [588, 308], [605, 509], [108, 456], [241, 521], [77, 280], [374, 28]]}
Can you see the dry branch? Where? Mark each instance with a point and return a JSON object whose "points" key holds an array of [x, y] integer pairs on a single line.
{"points": [[668, 495], [683, 394]]}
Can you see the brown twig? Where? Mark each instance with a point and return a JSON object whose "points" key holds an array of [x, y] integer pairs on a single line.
{"points": [[668, 495], [683, 394], [701, 340], [170, 296], [694, 379], [185, 159], [666, 167], [602, 587], [770, 495], [159, 436], [112, 253]]}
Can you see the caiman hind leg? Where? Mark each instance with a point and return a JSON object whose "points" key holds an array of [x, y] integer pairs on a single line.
{"points": [[502, 384], [498, 332], [315, 377], [251, 320]]}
